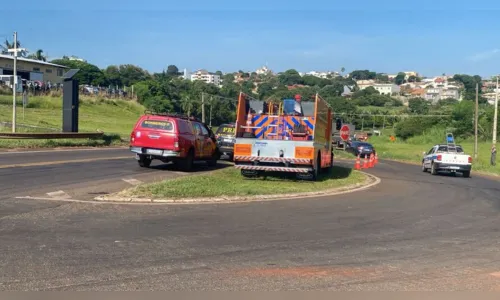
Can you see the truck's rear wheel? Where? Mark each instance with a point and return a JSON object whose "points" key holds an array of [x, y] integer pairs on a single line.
{"points": [[144, 161], [433, 169], [316, 169], [466, 174]]}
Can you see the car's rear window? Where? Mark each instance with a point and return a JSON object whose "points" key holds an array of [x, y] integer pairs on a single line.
{"points": [[226, 130], [157, 124]]}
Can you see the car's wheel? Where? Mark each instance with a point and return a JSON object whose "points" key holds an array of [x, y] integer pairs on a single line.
{"points": [[144, 162], [433, 169], [215, 157], [187, 163], [424, 169], [466, 174]]}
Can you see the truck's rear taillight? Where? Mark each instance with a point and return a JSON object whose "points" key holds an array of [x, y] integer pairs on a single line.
{"points": [[439, 157], [470, 160], [176, 144]]}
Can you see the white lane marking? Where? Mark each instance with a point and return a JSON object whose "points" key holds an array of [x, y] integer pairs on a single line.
{"points": [[61, 150], [59, 195], [132, 181]]}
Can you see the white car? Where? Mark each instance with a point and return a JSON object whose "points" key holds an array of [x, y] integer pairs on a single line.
{"points": [[449, 158]]}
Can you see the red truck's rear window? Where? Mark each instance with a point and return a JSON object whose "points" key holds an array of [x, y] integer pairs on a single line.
{"points": [[158, 124]]}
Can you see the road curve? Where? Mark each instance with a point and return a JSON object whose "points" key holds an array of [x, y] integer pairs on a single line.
{"points": [[413, 231]]}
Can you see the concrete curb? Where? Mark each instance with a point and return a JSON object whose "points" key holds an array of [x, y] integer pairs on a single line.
{"points": [[369, 182]]}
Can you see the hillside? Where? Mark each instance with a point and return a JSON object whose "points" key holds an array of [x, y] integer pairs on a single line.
{"points": [[110, 116]]}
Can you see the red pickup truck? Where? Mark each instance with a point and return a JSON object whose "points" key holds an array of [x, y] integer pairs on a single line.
{"points": [[173, 138]]}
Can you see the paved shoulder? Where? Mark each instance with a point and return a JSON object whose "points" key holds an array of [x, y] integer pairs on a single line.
{"points": [[49, 156]]}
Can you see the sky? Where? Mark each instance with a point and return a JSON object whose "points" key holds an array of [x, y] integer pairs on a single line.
{"points": [[430, 37]]}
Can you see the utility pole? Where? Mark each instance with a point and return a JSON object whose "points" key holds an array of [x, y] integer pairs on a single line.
{"points": [[495, 117], [14, 85], [211, 103], [476, 117], [203, 107], [14, 80]]}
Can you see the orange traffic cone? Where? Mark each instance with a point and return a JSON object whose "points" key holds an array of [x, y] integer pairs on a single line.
{"points": [[376, 158], [357, 165], [371, 161], [365, 163]]}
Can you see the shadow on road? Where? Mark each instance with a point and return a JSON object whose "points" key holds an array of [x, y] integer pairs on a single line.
{"points": [[199, 166]]}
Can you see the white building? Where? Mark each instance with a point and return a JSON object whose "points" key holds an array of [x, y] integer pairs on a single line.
{"points": [[327, 74], [206, 76], [382, 88], [435, 94], [263, 70], [364, 83], [387, 88]]}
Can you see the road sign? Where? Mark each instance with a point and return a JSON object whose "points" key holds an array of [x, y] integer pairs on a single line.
{"points": [[344, 132]]}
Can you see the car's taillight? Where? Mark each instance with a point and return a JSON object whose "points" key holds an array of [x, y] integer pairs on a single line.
{"points": [[470, 160], [176, 144], [439, 157], [132, 136]]}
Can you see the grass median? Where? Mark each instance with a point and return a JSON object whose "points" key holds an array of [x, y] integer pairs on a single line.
{"points": [[229, 182]]}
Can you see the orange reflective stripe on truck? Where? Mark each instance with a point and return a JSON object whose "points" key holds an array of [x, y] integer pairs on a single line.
{"points": [[304, 152], [242, 149]]}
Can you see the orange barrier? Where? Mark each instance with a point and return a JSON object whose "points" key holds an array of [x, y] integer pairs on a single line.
{"points": [[365, 163], [357, 165]]}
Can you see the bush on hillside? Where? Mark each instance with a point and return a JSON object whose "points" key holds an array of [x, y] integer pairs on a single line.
{"points": [[414, 126]]}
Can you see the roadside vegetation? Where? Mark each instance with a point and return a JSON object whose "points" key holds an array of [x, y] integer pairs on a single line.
{"points": [[229, 182], [44, 114]]}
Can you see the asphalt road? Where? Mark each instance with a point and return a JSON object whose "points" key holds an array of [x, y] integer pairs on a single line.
{"points": [[413, 231]]}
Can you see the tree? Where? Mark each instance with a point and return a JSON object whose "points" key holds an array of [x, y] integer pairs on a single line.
{"points": [[342, 70], [172, 70], [88, 74], [131, 74], [463, 118], [113, 76], [187, 104], [290, 77], [38, 55], [365, 92], [265, 90], [219, 73], [400, 78], [382, 78], [7, 45], [363, 75], [418, 106]]}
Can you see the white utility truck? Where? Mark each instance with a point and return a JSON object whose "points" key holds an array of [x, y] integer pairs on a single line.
{"points": [[447, 158]]}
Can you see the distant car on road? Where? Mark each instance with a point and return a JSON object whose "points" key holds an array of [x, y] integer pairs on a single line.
{"points": [[173, 138], [447, 158], [360, 148], [226, 136]]}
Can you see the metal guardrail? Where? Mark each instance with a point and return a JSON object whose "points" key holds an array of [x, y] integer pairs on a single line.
{"points": [[52, 135]]}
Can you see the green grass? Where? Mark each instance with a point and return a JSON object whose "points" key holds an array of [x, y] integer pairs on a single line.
{"points": [[114, 117], [229, 182]]}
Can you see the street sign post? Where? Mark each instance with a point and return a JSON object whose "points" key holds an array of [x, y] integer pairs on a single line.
{"points": [[344, 133]]}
